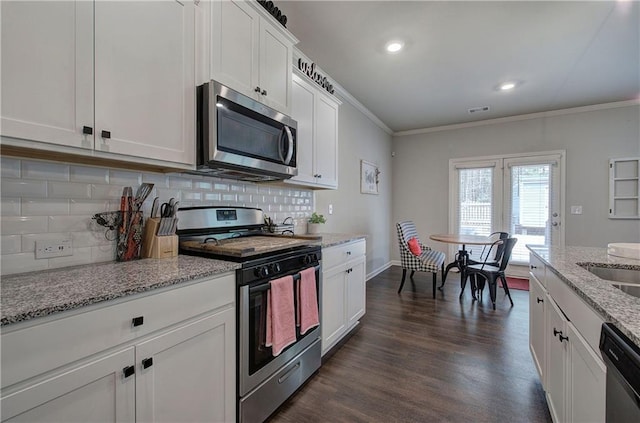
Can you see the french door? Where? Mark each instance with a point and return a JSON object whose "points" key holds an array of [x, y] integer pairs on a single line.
{"points": [[518, 194]]}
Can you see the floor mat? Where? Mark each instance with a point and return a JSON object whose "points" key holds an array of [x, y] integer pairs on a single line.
{"points": [[518, 283]]}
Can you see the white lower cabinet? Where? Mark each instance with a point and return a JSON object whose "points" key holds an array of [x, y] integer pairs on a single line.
{"points": [[93, 391], [343, 291], [181, 372], [563, 339]]}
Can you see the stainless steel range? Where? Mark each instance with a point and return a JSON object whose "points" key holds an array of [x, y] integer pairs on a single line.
{"points": [[264, 382]]}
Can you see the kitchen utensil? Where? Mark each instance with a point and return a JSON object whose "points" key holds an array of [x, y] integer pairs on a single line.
{"points": [[154, 207]]}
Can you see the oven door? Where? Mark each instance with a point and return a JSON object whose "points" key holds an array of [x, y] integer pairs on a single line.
{"points": [[256, 361]]}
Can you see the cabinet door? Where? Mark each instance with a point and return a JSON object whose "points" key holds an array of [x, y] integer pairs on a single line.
{"points": [[586, 381], [234, 49], [275, 68], [334, 322], [302, 111], [191, 377], [47, 71], [96, 391], [537, 331], [145, 79], [356, 291], [326, 143], [556, 362]]}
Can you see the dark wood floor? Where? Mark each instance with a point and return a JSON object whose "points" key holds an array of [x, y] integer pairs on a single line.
{"points": [[415, 359]]}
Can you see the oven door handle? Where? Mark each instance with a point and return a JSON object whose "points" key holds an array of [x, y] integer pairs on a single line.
{"points": [[267, 285]]}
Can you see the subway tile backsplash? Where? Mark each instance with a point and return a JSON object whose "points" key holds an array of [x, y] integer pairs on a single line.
{"points": [[43, 200]]}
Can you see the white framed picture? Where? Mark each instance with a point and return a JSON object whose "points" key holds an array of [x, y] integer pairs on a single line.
{"points": [[369, 177]]}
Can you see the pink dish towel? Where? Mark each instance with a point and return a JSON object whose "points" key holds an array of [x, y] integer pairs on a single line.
{"points": [[281, 324], [307, 301]]}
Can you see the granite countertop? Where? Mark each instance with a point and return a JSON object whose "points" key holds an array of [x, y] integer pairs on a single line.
{"points": [[36, 294], [613, 305], [327, 240]]}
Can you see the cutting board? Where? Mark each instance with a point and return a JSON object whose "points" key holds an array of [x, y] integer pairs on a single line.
{"points": [[241, 247]]}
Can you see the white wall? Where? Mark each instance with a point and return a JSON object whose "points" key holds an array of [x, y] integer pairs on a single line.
{"points": [[590, 138], [353, 212]]}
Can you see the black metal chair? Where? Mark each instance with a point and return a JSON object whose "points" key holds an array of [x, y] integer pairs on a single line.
{"points": [[429, 261], [489, 273], [470, 261]]}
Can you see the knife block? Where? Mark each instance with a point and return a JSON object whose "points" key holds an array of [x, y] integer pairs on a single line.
{"points": [[154, 246]]}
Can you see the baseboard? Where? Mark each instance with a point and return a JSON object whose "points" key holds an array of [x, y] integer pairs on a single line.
{"points": [[379, 270], [518, 271]]}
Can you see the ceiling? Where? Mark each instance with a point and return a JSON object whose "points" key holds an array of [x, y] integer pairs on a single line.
{"points": [[563, 54]]}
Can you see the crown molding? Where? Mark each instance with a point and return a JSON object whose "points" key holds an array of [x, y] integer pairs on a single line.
{"points": [[343, 93], [550, 113]]}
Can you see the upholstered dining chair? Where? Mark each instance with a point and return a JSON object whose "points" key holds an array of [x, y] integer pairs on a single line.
{"points": [[421, 259], [495, 253], [490, 273]]}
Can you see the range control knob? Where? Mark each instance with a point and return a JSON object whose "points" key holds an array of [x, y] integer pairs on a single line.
{"points": [[275, 268], [261, 272], [307, 259]]}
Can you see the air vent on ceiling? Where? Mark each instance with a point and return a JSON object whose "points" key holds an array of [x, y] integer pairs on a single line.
{"points": [[479, 109]]}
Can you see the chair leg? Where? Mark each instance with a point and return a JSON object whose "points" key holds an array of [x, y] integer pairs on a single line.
{"points": [[404, 274], [434, 284], [463, 284], [443, 276], [506, 288], [493, 284], [446, 271], [411, 275]]}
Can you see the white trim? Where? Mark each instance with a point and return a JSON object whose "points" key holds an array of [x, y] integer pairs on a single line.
{"points": [[507, 119], [380, 270]]}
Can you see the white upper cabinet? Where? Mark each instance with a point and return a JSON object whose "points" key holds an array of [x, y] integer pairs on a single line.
{"points": [[251, 53], [107, 77], [317, 135], [145, 79], [47, 71]]}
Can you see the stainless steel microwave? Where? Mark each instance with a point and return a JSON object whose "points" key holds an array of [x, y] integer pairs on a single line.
{"points": [[240, 138]]}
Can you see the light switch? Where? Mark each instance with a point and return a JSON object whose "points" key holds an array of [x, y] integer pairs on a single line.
{"points": [[330, 208], [576, 209]]}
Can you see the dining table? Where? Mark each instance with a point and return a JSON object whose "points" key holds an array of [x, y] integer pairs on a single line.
{"points": [[462, 258]]}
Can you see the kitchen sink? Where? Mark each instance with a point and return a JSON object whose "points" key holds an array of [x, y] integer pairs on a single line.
{"points": [[626, 280]]}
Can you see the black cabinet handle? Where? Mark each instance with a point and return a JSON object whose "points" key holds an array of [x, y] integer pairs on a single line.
{"points": [[533, 267], [137, 321], [319, 175], [348, 253], [264, 92], [87, 130], [556, 332], [563, 338], [147, 362], [540, 300], [106, 134], [256, 89], [128, 371]]}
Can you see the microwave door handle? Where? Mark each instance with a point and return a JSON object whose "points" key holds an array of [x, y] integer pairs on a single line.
{"points": [[287, 160]]}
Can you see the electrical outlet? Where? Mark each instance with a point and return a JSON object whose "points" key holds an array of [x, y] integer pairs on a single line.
{"points": [[576, 209], [330, 208], [54, 248]]}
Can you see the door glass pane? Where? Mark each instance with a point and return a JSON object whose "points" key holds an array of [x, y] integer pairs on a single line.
{"points": [[529, 221], [475, 201]]}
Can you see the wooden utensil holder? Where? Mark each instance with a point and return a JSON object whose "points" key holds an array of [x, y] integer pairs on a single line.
{"points": [[154, 246]]}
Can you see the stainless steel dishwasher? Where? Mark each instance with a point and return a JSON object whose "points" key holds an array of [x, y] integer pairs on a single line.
{"points": [[622, 358]]}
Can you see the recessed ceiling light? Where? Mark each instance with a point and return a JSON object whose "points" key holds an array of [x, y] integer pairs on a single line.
{"points": [[394, 46], [508, 85]]}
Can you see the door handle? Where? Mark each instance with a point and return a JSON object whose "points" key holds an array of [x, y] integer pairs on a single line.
{"points": [[554, 223]]}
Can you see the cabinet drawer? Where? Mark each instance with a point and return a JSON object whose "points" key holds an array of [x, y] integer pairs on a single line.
{"points": [[581, 315], [339, 254], [42, 347], [537, 269]]}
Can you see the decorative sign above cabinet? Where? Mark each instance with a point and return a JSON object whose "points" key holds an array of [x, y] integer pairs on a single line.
{"points": [[310, 71], [275, 11]]}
